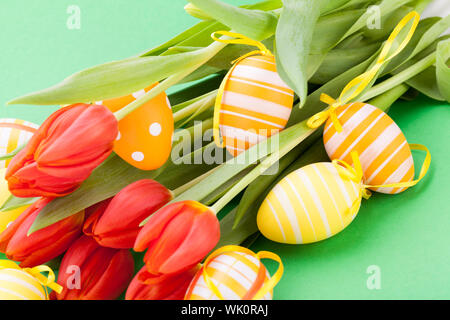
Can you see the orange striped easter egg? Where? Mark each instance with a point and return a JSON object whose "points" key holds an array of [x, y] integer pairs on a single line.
{"points": [[383, 151], [237, 276], [14, 133], [145, 135], [255, 104]]}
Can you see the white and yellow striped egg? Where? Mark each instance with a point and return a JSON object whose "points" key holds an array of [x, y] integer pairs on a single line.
{"points": [[382, 148], [236, 275], [256, 103], [16, 284], [14, 133], [308, 205]]}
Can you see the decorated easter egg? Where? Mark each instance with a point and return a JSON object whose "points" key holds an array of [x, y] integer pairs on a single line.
{"points": [[237, 276], [145, 135], [14, 133], [16, 284], [255, 104], [308, 205], [7, 217], [383, 151]]}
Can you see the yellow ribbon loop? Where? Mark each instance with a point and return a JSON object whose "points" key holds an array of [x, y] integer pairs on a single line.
{"points": [[356, 86], [235, 38], [355, 172], [264, 289], [319, 118], [36, 272]]}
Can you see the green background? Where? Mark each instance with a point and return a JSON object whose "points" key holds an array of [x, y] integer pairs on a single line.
{"points": [[407, 236]]}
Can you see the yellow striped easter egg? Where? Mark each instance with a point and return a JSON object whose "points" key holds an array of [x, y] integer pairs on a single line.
{"points": [[256, 103], [383, 150], [16, 284], [237, 276], [308, 205], [13, 134]]}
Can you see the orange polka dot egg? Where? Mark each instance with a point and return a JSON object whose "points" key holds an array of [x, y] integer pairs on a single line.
{"points": [[13, 134], [256, 103], [383, 150], [145, 135]]}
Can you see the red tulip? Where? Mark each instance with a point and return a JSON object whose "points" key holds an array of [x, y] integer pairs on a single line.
{"points": [[178, 237], [71, 143], [166, 287], [91, 272], [116, 224], [42, 245]]}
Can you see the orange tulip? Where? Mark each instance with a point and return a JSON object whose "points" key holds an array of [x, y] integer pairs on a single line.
{"points": [[71, 143], [42, 245], [89, 271], [178, 237], [167, 287], [116, 224]]}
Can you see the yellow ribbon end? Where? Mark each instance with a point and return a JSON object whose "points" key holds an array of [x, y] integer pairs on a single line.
{"points": [[356, 86]]}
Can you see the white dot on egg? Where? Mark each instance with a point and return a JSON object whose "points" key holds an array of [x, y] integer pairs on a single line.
{"points": [[119, 135], [99, 103], [137, 156], [155, 129], [139, 93]]}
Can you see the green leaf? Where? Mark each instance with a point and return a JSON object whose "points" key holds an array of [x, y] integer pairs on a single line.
{"points": [[426, 83], [113, 79], [324, 37], [14, 202], [332, 88], [12, 153], [293, 39], [426, 33], [112, 176], [385, 7], [442, 68], [255, 24], [230, 236], [260, 184], [337, 61], [187, 34]]}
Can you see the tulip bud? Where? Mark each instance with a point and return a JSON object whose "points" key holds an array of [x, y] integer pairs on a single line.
{"points": [[71, 143], [89, 271], [42, 245], [167, 287], [116, 225], [178, 237]]}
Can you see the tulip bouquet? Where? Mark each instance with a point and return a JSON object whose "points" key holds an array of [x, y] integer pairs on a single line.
{"points": [[103, 199]]}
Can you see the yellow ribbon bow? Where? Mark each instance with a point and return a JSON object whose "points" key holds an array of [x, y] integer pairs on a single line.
{"points": [[36, 272], [355, 173], [358, 84], [263, 289], [236, 38]]}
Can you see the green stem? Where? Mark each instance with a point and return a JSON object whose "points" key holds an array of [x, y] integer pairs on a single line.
{"points": [[210, 51], [263, 166], [207, 101]]}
